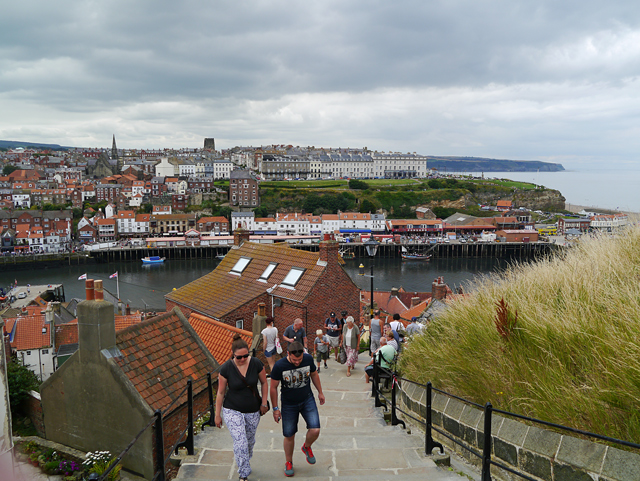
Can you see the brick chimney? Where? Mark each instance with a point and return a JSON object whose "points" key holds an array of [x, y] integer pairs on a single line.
{"points": [[240, 236], [96, 324], [415, 301], [329, 251], [394, 291], [438, 288]]}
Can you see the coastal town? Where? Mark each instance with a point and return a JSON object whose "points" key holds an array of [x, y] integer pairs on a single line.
{"points": [[57, 201]]}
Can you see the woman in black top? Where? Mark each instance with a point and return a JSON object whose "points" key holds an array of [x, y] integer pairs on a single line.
{"points": [[240, 405]]}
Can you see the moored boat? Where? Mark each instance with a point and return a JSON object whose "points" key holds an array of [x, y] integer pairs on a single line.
{"points": [[153, 260], [416, 257]]}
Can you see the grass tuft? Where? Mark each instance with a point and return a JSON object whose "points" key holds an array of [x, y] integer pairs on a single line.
{"points": [[558, 340]]}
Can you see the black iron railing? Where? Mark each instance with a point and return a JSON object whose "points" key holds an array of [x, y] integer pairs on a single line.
{"points": [[391, 376], [157, 421]]}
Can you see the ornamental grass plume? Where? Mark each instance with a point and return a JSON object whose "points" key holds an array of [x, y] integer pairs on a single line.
{"points": [[572, 356]]}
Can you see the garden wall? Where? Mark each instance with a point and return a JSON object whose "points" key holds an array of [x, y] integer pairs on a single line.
{"points": [[32, 408], [542, 454]]}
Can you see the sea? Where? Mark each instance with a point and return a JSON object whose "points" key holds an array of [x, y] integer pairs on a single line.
{"points": [[606, 188]]}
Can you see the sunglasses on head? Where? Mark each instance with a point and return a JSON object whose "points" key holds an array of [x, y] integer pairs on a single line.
{"points": [[241, 357], [297, 352]]}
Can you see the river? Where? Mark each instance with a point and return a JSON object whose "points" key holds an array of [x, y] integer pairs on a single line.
{"points": [[145, 286]]}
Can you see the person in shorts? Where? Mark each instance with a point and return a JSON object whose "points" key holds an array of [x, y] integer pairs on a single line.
{"points": [[296, 372], [321, 348], [333, 325], [269, 335]]}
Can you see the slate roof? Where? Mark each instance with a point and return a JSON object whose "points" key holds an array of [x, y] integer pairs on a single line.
{"points": [[220, 292], [159, 355], [217, 336]]}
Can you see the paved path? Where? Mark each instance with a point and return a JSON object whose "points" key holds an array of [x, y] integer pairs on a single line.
{"points": [[355, 443]]}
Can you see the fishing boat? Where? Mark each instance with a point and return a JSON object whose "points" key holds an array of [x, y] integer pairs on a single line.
{"points": [[153, 260], [416, 257], [347, 254]]}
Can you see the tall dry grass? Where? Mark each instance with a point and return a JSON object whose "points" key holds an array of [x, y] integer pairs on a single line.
{"points": [[573, 356]]}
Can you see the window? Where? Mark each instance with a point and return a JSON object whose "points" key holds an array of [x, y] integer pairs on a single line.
{"points": [[293, 276], [240, 266], [45, 351], [240, 323], [268, 271]]}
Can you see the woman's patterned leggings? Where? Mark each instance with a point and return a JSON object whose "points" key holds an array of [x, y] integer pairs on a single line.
{"points": [[242, 427]]}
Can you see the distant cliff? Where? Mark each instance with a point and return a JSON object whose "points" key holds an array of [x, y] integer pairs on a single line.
{"points": [[478, 164]]}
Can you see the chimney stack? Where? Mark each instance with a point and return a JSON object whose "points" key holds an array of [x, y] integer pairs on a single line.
{"points": [[394, 291], [240, 236], [438, 289], [415, 301], [329, 251], [96, 323]]}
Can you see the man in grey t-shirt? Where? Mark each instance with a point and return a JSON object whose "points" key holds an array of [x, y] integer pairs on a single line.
{"points": [[376, 330]]}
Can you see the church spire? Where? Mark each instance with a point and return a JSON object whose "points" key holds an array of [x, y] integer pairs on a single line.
{"points": [[114, 149]]}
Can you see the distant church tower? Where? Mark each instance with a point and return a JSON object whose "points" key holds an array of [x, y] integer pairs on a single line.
{"points": [[210, 144]]}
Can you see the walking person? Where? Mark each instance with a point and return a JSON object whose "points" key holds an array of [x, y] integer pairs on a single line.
{"points": [[269, 335], [334, 331], [296, 372], [296, 333], [351, 337], [376, 330], [239, 403], [321, 348]]}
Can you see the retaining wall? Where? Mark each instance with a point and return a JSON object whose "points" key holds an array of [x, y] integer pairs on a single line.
{"points": [[542, 454]]}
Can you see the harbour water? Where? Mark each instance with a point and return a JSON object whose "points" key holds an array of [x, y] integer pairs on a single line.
{"points": [[145, 286]]}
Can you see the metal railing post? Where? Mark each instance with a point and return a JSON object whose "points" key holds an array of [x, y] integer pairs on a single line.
{"points": [[188, 443], [212, 413], [376, 383], [486, 451], [429, 443], [394, 418], [159, 446]]}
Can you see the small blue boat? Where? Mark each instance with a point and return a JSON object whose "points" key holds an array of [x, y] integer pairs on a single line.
{"points": [[153, 260]]}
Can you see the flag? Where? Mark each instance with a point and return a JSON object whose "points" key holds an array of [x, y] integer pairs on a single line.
{"points": [[83, 276], [114, 275]]}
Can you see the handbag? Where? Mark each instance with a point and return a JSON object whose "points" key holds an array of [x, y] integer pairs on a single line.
{"points": [[278, 346], [244, 380], [342, 355]]}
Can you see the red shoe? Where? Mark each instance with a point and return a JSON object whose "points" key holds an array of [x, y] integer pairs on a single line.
{"points": [[288, 469], [309, 454]]}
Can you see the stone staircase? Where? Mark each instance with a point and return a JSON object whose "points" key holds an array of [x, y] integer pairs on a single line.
{"points": [[355, 443]]}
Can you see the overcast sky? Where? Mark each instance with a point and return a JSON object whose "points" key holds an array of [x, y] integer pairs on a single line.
{"points": [[543, 80]]}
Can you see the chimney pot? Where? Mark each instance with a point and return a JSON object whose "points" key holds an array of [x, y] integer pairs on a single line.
{"points": [[88, 286], [98, 291]]}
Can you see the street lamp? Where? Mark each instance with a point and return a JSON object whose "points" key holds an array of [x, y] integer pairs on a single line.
{"points": [[372, 249]]}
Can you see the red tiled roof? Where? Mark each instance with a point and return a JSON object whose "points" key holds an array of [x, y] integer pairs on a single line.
{"points": [[67, 333], [415, 311], [159, 355], [217, 336], [220, 291], [122, 322], [29, 333]]}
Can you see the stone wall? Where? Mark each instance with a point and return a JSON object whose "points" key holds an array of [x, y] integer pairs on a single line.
{"points": [[32, 408], [540, 453]]}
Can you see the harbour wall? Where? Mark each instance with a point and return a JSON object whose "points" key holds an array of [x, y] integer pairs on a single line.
{"points": [[507, 250]]}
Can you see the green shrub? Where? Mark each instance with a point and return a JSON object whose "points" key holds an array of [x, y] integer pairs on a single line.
{"points": [[21, 380]]}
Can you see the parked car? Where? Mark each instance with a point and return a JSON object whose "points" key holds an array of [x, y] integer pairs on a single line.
{"points": [[22, 295]]}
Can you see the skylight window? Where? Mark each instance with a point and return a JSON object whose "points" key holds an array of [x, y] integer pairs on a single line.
{"points": [[293, 277], [241, 265], [268, 271]]}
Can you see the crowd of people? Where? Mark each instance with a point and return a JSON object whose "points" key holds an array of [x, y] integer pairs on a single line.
{"points": [[240, 403]]}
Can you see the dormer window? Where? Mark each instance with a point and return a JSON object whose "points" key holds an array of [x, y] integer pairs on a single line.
{"points": [[293, 277], [241, 265], [268, 271]]}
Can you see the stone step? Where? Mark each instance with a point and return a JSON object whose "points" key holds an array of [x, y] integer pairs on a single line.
{"points": [[331, 463]]}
